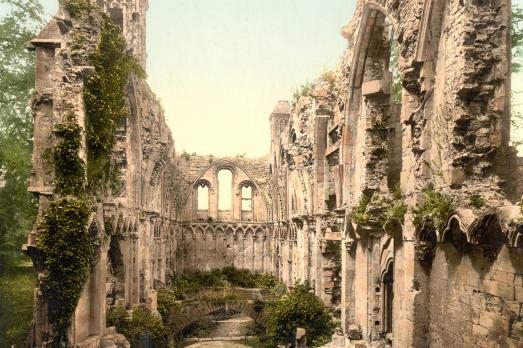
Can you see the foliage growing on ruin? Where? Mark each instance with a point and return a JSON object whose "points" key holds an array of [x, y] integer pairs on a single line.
{"points": [[140, 325], [477, 201], [303, 91], [395, 209], [67, 251], [69, 167], [185, 156], [358, 213], [226, 277], [384, 210], [167, 301], [435, 209], [298, 308], [76, 7], [105, 104]]}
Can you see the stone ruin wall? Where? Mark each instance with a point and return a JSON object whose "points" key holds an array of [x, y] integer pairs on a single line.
{"points": [[139, 219], [457, 285], [453, 286], [214, 238]]}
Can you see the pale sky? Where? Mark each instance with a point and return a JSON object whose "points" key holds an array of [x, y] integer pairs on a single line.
{"points": [[220, 66]]}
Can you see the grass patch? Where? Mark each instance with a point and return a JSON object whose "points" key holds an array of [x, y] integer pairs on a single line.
{"points": [[17, 285]]}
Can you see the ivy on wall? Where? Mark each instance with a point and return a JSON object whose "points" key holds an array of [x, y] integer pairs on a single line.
{"points": [[105, 104], [69, 167], [66, 244]]}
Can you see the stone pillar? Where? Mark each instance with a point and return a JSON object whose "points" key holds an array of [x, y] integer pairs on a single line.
{"points": [[411, 294], [348, 273]]}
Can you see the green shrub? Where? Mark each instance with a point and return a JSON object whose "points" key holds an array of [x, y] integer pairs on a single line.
{"points": [[304, 91], [359, 212], [140, 328], [298, 308], [167, 301], [477, 201], [436, 209], [75, 7], [395, 208]]}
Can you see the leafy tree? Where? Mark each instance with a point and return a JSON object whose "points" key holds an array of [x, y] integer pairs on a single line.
{"points": [[298, 308], [17, 207], [517, 38], [517, 67]]}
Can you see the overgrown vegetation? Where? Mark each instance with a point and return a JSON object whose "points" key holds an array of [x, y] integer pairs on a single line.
{"points": [[69, 167], [517, 68], [67, 251], [477, 201], [385, 210], [76, 7], [395, 208], [228, 277], [142, 328], [16, 291], [106, 110], [19, 23], [298, 308], [303, 91], [435, 209], [105, 106], [358, 213]]}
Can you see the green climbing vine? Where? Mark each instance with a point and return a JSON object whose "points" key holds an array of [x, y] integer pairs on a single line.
{"points": [[105, 104], [65, 241], [69, 167], [66, 247], [76, 7]]}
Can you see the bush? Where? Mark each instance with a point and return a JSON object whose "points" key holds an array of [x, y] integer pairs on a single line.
{"points": [[436, 209], [167, 301], [143, 329], [298, 308], [226, 277]]}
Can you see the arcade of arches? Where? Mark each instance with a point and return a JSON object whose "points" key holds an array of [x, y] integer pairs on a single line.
{"points": [[390, 186]]}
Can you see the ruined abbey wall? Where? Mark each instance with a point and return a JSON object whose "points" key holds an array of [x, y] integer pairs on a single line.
{"points": [[133, 220], [390, 185], [418, 108]]}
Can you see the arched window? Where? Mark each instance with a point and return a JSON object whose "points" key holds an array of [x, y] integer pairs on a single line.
{"points": [[246, 198], [203, 197], [224, 189]]}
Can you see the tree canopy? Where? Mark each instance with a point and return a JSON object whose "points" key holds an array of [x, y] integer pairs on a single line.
{"points": [[17, 206]]}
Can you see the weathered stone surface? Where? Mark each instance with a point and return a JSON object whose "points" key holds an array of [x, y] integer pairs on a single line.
{"points": [[324, 204]]}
